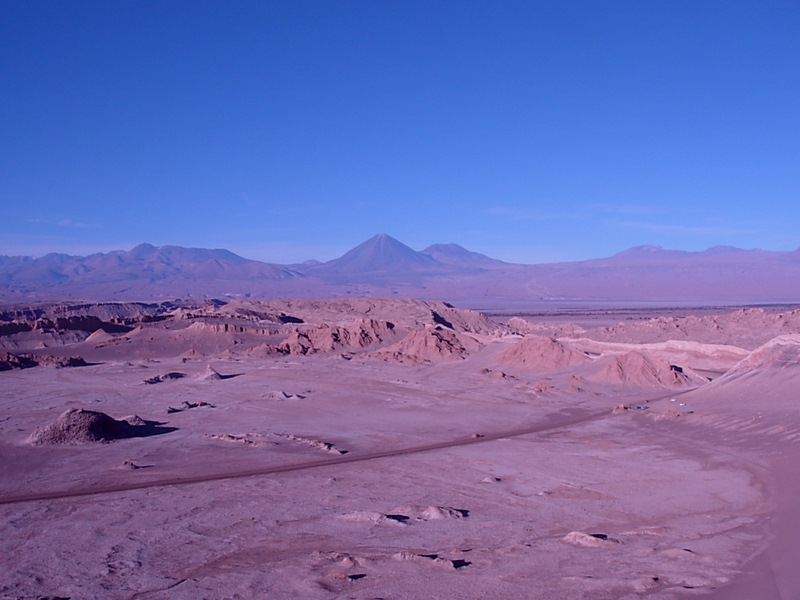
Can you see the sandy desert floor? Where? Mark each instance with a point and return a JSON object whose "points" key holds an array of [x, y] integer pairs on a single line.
{"points": [[568, 467]]}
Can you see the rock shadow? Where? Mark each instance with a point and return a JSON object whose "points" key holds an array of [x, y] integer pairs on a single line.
{"points": [[147, 429], [80, 426], [230, 376]]}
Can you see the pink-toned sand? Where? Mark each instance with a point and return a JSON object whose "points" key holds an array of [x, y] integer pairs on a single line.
{"points": [[399, 449]]}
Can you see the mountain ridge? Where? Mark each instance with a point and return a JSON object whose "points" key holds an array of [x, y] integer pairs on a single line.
{"points": [[384, 266]]}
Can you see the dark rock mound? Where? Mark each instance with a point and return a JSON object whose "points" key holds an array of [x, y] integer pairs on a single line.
{"points": [[79, 426], [61, 361], [27, 361], [13, 361]]}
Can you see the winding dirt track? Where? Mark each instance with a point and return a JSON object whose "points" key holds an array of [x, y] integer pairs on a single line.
{"points": [[556, 422]]}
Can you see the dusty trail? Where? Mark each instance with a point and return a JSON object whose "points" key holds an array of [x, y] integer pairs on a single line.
{"points": [[556, 422]]}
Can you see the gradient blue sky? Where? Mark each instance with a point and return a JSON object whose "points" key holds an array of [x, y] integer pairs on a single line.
{"points": [[529, 131]]}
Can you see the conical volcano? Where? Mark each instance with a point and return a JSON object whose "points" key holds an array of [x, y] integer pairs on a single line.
{"points": [[380, 254]]}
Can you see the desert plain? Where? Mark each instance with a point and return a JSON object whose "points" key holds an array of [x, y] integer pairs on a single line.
{"points": [[397, 449]]}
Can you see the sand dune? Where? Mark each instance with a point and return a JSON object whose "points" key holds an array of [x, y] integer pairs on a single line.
{"points": [[780, 353], [638, 368], [769, 371]]}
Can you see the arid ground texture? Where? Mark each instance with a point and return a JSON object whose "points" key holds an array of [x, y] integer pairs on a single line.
{"points": [[397, 449]]}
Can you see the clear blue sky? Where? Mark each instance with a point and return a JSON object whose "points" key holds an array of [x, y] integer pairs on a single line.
{"points": [[529, 131]]}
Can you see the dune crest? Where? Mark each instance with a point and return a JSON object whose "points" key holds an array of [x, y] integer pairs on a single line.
{"points": [[637, 368], [779, 354]]}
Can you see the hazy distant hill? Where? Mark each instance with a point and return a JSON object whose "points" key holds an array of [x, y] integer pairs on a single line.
{"points": [[383, 266], [453, 254], [380, 256], [103, 275]]}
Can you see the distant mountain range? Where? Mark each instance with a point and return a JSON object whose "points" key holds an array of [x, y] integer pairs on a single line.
{"points": [[383, 266]]}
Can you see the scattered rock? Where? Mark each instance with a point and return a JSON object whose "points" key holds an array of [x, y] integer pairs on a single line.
{"points": [[588, 540], [189, 405], [349, 577], [316, 444], [376, 518], [166, 377], [433, 558], [248, 439], [430, 513], [279, 395]]}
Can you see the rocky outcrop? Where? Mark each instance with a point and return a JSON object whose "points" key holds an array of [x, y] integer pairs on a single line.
{"points": [[26, 361], [429, 345], [357, 335], [538, 353], [746, 327]]}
